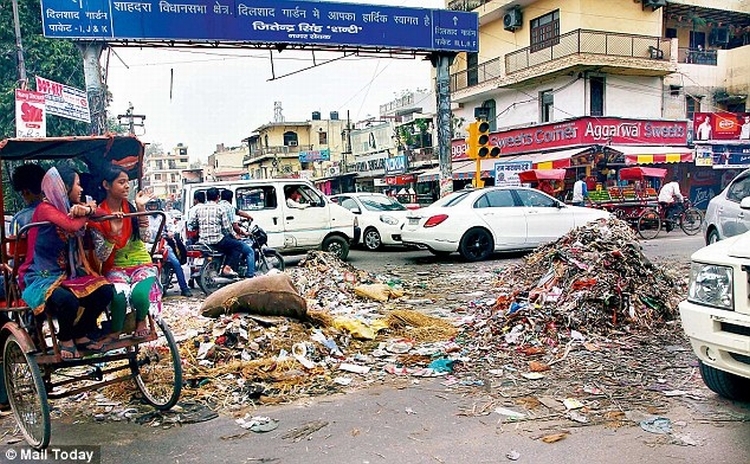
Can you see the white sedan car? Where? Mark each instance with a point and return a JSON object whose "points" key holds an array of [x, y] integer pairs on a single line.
{"points": [[477, 222], [725, 216], [380, 217]]}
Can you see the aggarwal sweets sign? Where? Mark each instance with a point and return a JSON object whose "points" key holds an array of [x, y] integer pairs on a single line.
{"points": [[583, 131]]}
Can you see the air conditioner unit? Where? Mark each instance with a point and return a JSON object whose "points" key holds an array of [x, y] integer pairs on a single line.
{"points": [[292, 143], [513, 19], [654, 4], [334, 170]]}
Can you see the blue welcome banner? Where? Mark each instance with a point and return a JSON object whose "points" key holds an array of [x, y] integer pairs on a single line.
{"points": [[264, 22], [315, 155]]}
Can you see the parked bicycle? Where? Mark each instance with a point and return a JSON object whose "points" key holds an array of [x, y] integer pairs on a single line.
{"points": [[653, 219]]}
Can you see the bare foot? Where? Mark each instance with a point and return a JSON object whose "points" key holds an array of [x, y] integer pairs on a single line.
{"points": [[101, 344], [68, 350], [141, 330]]}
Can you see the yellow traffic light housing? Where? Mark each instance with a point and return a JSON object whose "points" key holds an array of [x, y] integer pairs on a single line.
{"points": [[472, 141], [484, 149]]}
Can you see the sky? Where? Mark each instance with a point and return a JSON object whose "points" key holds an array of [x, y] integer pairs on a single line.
{"points": [[221, 96]]}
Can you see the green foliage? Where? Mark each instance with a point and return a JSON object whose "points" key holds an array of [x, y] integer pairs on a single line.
{"points": [[55, 59]]}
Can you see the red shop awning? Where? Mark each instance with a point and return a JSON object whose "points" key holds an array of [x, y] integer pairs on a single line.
{"points": [[655, 155]]}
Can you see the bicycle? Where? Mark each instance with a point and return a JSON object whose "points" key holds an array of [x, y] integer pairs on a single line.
{"points": [[651, 220]]}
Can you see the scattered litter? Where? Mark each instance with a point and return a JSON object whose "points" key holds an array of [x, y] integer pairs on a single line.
{"points": [[660, 425], [354, 368], [298, 433], [513, 455], [555, 437], [572, 403], [258, 424], [532, 375], [509, 413]]}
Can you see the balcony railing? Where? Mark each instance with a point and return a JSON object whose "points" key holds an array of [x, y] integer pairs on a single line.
{"points": [[484, 72], [466, 5], [276, 150], [589, 42], [696, 56]]}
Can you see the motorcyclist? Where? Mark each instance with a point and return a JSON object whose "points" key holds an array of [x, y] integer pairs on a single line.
{"points": [[232, 213], [216, 230]]}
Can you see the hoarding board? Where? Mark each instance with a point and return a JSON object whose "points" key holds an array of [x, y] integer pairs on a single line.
{"points": [[63, 100], [264, 22], [721, 126], [506, 172], [30, 120]]}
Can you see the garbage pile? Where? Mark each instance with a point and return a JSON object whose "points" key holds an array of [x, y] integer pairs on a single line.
{"points": [[355, 330]]}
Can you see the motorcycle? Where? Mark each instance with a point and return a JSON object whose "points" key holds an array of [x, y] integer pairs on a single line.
{"points": [[206, 262]]}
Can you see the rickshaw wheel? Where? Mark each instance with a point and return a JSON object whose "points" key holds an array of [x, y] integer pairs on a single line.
{"points": [[690, 221], [157, 368], [649, 224], [26, 394]]}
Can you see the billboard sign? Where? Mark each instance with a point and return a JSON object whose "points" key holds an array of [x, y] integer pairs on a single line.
{"points": [[721, 126], [264, 21], [735, 156], [314, 155], [396, 165], [64, 101], [583, 131], [506, 172], [30, 121]]}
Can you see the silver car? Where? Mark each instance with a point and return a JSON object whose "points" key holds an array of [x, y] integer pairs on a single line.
{"points": [[725, 217]]}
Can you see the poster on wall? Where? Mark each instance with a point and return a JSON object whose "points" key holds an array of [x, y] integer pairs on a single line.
{"points": [[734, 156], [506, 172], [721, 126], [30, 120]]}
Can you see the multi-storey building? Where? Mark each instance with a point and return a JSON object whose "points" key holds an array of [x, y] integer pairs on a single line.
{"points": [[225, 163], [315, 148], [592, 85], [163, 172]]}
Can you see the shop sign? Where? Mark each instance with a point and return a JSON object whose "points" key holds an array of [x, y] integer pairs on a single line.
{"points": [[704, 156], [396, 165], [727, 156], [314, 155], [721, 126], [370, 165], [583, 131], [401, 180], [506, 172]]}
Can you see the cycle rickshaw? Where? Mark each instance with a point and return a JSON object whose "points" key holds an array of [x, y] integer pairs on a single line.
{"points": [[638, 204], [34, 370]]}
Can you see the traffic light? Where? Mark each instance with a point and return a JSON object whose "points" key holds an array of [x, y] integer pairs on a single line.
{"points": [[472, 141], [484, 149]]}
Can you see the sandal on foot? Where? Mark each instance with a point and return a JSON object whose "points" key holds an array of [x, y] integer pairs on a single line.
{"points": [[142, 333], [74, 354]]}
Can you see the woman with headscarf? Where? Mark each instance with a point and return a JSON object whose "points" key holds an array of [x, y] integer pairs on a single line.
{"points": [[125, 261], [56, 276]]}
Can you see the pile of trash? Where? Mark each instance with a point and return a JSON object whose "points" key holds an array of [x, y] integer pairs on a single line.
{"points": [[355, 331]]}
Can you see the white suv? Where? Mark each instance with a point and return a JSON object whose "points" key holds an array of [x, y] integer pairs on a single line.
{"points": [[724, 217], [716, 314]]}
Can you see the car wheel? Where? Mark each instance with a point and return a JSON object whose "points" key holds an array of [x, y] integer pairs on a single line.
{"points": [[371, 239], [336, 245], [476, 245], [728, 385], [713, 237]]}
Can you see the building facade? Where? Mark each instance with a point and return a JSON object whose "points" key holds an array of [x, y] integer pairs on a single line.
{"points": [[163, 172], [226, 163], [549, 69]]}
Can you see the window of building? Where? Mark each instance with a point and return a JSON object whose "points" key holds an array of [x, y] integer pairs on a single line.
{"points": [[596, 96], [290, 139], [670, 33], [157, 176], [692, 105], [545, 31], [697, 38], [183, 151], [491, 114], [546, 103], [472, 68], [322, 138], [736, 107]]}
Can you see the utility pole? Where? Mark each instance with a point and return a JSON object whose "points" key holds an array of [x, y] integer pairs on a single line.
{"points": [[442, 62], [95, 90], [131, 119], [22, 79]]}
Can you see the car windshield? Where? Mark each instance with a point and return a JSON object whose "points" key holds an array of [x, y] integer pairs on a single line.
{"points": [[381, 203]]}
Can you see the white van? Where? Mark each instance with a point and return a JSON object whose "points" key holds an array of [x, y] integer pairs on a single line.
{"points": [[314, 222]]}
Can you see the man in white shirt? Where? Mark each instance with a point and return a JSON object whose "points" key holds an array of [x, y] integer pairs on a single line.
{"points": [[745, 129], [704, 130], [671, 199], [580, 191]]}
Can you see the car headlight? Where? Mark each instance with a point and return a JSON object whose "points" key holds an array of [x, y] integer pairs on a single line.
{"points": [[390, 220], [711, 285]]}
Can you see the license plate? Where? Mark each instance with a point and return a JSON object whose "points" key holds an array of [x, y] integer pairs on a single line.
{"points": [[413, 221], [198, 262]]}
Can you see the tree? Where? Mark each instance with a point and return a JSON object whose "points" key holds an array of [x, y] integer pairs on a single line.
{"points": [[55, 59]]}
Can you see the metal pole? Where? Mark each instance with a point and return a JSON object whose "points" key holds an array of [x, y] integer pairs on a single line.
{"points": [[19, 47], [94, 87], [442, 63]]}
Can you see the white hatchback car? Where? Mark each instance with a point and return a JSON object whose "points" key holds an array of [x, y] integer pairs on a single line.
{"points": [[724, 216], [477, 222], [380, 217]]}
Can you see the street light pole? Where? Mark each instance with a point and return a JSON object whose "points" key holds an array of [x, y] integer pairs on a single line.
{"points": [[22, 79]]}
